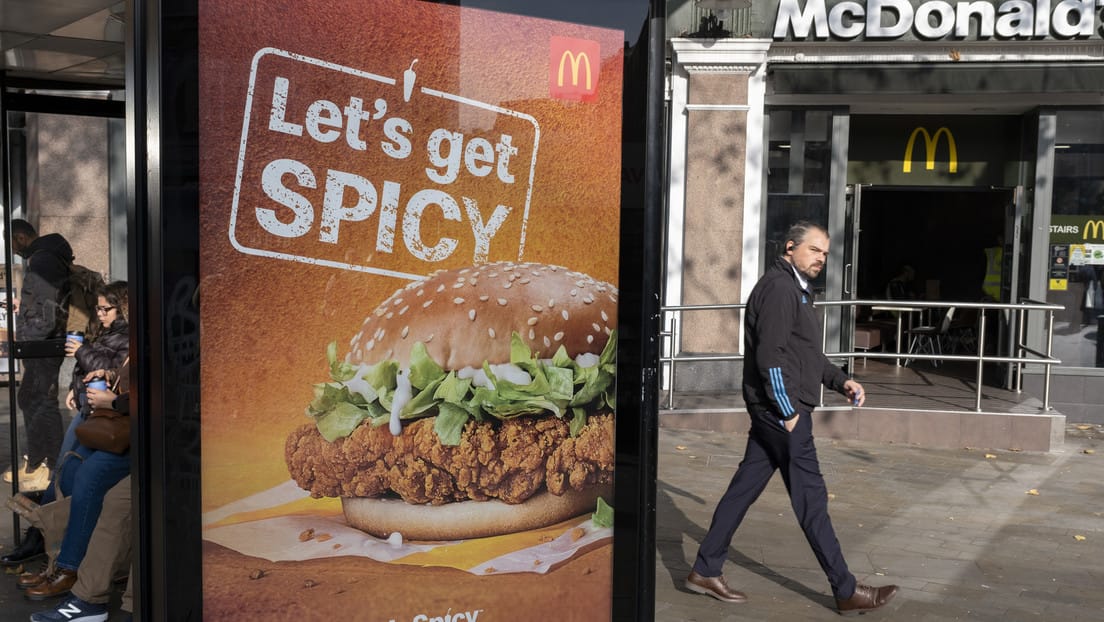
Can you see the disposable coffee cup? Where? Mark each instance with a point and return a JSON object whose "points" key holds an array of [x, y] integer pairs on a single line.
{"points": [[75, 335], [98, 383]]}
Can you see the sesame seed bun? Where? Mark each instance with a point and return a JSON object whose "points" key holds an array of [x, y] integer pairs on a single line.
{"points": [[466, 316]]}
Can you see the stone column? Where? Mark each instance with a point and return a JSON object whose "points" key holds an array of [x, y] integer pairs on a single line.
{"points": [[716, 164]]}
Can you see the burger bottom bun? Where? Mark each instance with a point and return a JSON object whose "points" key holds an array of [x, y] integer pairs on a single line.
{"points": [[468, 519]]}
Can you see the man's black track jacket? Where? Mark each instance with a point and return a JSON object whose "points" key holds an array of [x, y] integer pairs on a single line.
{"points": [[784, 363]]}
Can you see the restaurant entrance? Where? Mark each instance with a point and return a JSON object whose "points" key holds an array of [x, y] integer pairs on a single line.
{"points": [[934, 244], [942, 233]]}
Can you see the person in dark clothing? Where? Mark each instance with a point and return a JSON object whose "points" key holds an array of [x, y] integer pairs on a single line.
{"points": [[900, 286], [41, 315], [784, 367]]}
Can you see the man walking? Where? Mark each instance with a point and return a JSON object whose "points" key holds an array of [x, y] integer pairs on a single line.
{"points": [[784, 367]]}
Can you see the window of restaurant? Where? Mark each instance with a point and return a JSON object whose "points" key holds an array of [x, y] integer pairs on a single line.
{"points": [[799, 156], [1077, 237]]}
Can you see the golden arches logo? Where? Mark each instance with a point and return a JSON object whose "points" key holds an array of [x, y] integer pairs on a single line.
{"points": [[576, 60], [1096, 226], [930, 144]]}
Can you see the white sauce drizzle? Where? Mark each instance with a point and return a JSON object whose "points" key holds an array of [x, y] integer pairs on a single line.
{"points": [[403, 394]]}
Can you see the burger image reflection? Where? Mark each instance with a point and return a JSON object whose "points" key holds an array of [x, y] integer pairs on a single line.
{"points": [[476, 402]]}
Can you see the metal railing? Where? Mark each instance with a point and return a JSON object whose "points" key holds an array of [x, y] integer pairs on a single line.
{"points": [[1020, 352]]}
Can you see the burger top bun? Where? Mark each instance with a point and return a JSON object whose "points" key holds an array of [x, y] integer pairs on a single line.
{"points": [[466, 316]]}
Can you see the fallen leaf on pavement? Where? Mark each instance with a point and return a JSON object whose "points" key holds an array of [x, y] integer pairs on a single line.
{"points": [[1079, 538], [1034, 492], [1088, 451], [1084, 427], [990, 456], [680, 447], [831, 496]]}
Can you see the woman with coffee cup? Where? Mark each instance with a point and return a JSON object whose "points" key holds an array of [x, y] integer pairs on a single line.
{"points": [[107, 349], [86, 479]]}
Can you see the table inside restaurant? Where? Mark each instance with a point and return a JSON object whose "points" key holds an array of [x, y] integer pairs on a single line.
{"points": [[903, 311]]}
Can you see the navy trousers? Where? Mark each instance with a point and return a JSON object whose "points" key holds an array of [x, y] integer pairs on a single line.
{"points": [[770, 447]]}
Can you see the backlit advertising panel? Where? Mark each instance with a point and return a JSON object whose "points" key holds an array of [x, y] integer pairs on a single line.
{"points": [[409, 262]]}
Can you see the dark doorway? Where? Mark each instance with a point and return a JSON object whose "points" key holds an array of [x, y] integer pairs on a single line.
{"points": [[940, 232]]}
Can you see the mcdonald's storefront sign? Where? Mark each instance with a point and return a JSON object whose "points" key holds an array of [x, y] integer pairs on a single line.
{"points": [[1094, 230], [573, 69], [931, 143], [1077, 229], [933, 150]]}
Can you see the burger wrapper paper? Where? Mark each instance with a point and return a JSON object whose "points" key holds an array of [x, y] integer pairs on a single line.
{"points": [[284, 524]]}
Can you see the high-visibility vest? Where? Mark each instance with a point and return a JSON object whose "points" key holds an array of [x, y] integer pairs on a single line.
{"points": [[992, 284]]}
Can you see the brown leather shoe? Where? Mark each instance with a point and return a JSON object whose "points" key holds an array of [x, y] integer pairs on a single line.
{"points": [[716, 587], [30, 579], [58, 583], [866, 598]]}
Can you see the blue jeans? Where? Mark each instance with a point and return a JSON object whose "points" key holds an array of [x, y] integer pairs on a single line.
{"points": [[68, 443], [87, 482]]}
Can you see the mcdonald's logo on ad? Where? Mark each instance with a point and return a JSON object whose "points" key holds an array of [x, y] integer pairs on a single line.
{"points": [[573, 69], [930, 144], [1096, 227]]}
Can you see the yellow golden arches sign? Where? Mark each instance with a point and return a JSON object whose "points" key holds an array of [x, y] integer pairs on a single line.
{"points": [[1097, 228], [930, 144], [576, 61]]}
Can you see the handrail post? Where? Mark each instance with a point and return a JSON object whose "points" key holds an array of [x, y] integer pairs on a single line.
{"points": [[981, 357], [1020, 316], [823, 348], [1046, 373], [674, 344]]}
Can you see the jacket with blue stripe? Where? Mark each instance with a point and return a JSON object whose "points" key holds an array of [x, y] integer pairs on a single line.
{"points": [[784, 362]]}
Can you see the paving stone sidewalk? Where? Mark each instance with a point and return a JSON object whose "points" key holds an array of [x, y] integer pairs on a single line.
{"points": [[968, 534], [956, 529]]}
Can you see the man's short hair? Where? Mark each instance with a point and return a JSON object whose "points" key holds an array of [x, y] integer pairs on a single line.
{"points": [[800, 229], [20, 226]]}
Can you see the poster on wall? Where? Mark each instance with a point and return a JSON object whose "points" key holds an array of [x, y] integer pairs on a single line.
{"points": [[409, 259]]}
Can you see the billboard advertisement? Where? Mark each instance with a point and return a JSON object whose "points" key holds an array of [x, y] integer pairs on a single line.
{"points": [[408, 289]]}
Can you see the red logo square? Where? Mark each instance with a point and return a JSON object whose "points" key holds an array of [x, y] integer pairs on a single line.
{"points": [[573, 68]]}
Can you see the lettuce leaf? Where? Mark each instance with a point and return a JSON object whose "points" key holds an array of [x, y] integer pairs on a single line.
{"points": [[340, 421], [450, 423], [603, 514], [559, 387]]}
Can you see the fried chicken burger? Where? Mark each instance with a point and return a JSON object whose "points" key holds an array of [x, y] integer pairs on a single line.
{"points": [[475, 402]]}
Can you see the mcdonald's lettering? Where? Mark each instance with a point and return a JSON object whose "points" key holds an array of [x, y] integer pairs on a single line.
{"points": [[930, 144], [573, 69], [1096, 227]]}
